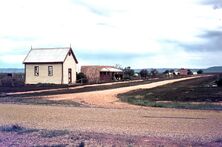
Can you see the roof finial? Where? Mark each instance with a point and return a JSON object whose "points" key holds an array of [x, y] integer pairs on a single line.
{"points": [[70, 46], [31, 46]]}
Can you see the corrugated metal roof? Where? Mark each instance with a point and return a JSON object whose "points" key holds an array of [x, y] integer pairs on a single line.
{"points": [[47, 55], [110, 69]]}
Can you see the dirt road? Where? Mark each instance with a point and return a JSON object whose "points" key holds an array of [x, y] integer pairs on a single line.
{"points": [[108, 98], [176, 124]]}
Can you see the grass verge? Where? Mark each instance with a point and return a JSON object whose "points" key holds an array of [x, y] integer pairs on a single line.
{"points": [[179, 105], [38, 101], [190, 94]]}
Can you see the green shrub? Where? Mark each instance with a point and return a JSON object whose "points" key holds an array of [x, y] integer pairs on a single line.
{"points": [[128, 73], [81, 78], [144, 73], [219, 82], [200, 71]]}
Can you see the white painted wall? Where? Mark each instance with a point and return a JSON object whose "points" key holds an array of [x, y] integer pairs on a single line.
{"points": [[43, 74], [69, 63]]}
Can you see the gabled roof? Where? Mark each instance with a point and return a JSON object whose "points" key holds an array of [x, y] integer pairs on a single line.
{"points": [[48, 55], [110, 69], [101, 68]]}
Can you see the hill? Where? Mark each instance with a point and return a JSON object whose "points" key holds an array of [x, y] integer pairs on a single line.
{"points": [[214, 69], [11, 70]]}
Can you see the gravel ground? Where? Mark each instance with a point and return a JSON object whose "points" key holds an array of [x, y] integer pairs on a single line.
{"points": [[59, 138], [197, 126]]}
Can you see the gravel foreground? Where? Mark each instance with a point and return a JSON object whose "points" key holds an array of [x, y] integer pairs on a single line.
{"points": [[69, 126], [64, 138]]}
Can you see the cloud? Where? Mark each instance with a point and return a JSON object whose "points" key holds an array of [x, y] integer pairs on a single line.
{"points": [[114, 55], [99, 7], [18, 38], [209, 41], [217, 4], [111, 31], [92, 8]]}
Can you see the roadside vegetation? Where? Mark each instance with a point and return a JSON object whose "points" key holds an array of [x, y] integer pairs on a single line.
{"points": [[201, 93], [39, 101], [219, 82]]}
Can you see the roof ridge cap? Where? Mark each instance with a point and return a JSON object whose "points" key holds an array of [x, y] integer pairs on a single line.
{"points": [[51, 48]]}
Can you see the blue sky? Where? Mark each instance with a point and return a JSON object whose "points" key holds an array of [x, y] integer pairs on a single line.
{"points": [[136, 33]]}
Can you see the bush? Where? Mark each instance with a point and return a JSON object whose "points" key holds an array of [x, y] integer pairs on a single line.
{"points": [[154, 72], [200, 71], [144, 73], [81, 78], [11, 79], [219, 82], [189, 72], [166, 72], [128, 73]]}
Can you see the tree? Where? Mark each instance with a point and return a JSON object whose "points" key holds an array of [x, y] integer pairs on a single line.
{"points": [[166, 71], [128, 72], [200, 71], [154, 72], [144, 73], [189, 72], [172, 70], [219, 82], [118, 66], [81, 78]]}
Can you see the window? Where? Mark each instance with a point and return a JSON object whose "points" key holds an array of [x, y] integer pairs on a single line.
{"points": [[50, 70], [36, 70]]}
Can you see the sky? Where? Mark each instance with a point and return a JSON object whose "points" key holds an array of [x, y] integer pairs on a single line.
{"points": [[136, 33]]}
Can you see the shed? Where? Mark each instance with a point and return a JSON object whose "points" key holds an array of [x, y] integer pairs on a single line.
{"points": [[183, 72], [98, 74]]}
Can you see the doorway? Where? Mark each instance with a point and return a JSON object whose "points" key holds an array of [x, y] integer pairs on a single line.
{"points": [[70, 75]]}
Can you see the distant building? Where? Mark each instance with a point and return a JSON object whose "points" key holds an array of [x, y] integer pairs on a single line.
{"points": [[98, 74], [175, 73], [183, 72], [50, 65], [169, 74]]}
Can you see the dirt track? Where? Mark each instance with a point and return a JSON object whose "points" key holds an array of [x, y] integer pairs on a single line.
{"points": [[108, 98]]}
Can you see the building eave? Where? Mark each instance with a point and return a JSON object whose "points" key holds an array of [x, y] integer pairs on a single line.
{"points": [[42, 62]]}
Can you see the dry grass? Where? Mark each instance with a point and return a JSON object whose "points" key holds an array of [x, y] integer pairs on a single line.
{"points": [[190, 94]]}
